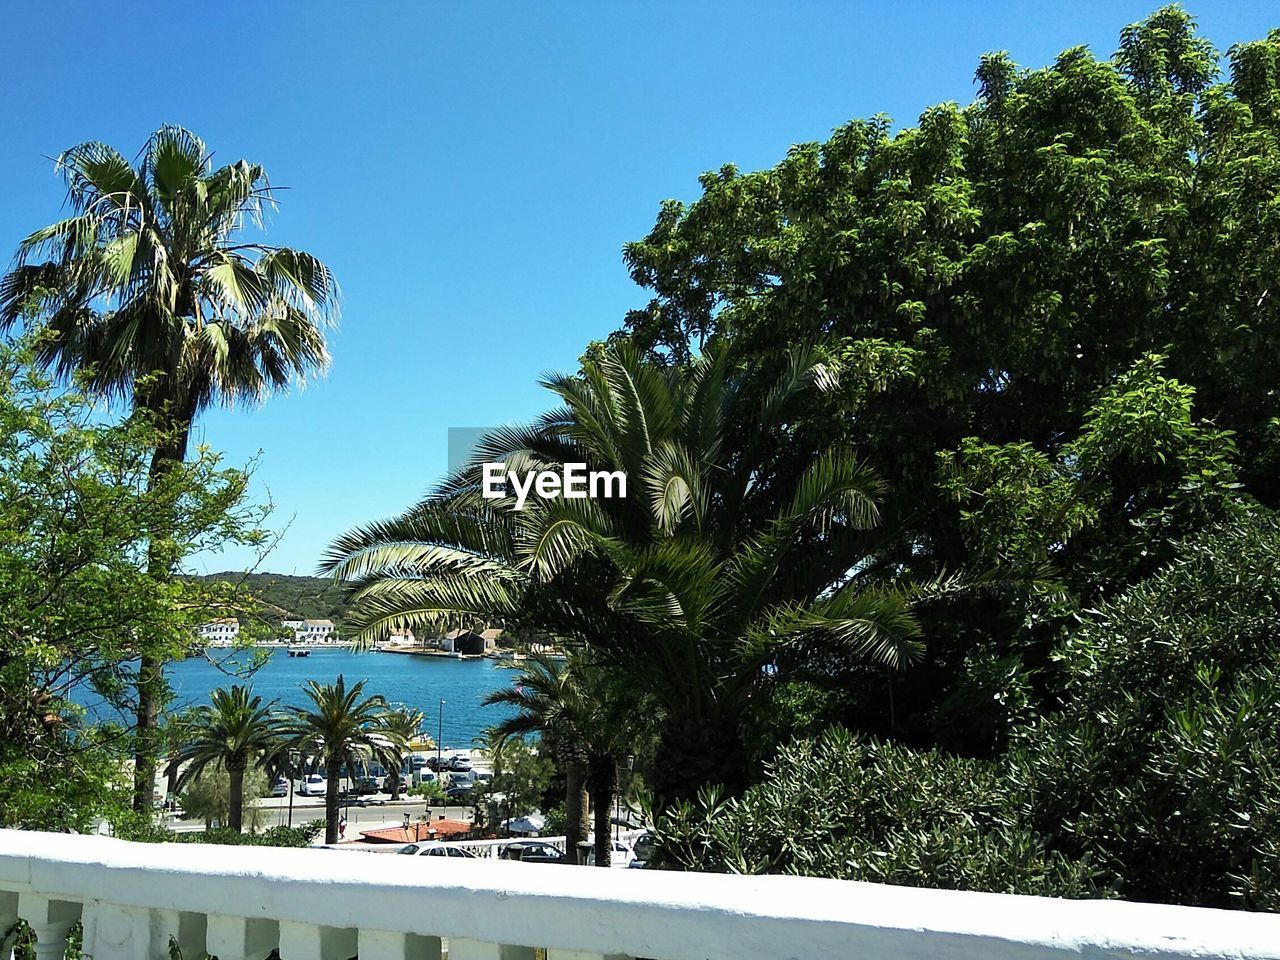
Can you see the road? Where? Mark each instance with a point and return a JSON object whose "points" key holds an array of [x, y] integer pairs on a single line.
{"points": [[358, 818]]}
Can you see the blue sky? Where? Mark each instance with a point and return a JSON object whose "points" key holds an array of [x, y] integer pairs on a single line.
{"points": [[471, 172]]}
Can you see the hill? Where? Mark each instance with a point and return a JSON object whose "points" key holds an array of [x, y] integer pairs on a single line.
{"points": [[288, 597]]}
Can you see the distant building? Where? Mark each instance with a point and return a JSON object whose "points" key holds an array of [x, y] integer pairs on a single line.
{"points": [[315, 631], [222, 631], [470, 642]]}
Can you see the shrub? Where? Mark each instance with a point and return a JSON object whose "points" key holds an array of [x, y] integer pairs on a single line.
{"points": [[1163, 763], [840, 807]]}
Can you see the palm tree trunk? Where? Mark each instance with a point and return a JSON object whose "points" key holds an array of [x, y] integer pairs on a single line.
{"points": [[576, 803], [235, 803], [395, 783], [699, 752], [604, 782], [151, 683], [332, 772]]}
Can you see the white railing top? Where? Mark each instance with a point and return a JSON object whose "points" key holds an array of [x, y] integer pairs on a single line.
{"points": [[632, 912]]}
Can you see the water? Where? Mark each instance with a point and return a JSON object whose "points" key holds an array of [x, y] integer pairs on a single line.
{"points": [[419, 682]]}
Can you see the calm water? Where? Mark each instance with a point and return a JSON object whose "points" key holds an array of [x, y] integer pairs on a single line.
{"points": [[420, 682]]}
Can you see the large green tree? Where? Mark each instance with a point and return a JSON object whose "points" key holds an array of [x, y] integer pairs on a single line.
{"points": [[718, 563], [154, 291], [984, 278], [78, 517]]}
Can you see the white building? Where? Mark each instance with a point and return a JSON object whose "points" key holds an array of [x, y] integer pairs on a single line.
{"points": [[315, 631], [220, 632]]}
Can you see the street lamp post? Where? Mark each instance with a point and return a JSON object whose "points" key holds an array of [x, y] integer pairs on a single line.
{"points": [[439, 768]]}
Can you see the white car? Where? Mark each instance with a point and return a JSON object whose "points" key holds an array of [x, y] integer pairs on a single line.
{"points": [[622, 856], [313, 785], [435, 848]]}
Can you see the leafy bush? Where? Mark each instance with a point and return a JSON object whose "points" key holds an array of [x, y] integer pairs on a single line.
{"points": [[1163, 762], [1158, 777], [429, 789], [840, 807], [146, 831]]}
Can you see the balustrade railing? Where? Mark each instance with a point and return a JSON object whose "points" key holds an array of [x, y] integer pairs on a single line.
{"points": [[244, 903]]}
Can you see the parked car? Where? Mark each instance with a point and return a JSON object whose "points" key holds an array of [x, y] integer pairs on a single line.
{"points": [[435, 848], [459, 764], [643, 850], [532, 851], [280, 787], [313, 785], [416, 762], [461, 791], [365, 785], [622, 855], [435, 763], [390, 780]]}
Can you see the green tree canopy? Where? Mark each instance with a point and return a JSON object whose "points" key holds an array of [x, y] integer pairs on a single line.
{"points": [[992, 284]]}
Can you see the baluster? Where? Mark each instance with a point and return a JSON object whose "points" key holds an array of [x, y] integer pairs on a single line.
{"points": [[554, 953], [386, 945], [8, 917], [237, 938], [50, 921], [309, 941], [188, 929], [113, 932], [476, 950]]}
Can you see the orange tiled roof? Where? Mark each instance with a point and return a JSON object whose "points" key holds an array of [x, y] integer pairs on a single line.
{"points": [[421, 830]]}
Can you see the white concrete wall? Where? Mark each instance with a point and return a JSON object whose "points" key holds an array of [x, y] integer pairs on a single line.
{"points": [[240, 902]]}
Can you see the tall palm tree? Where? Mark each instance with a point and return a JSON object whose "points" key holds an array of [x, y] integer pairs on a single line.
{"points": [[400, 727], [546, 699], [341, 728], [153, 291], [236, 731], [719, 563]]}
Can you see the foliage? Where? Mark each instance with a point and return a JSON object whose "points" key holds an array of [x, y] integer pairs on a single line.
{"points": [[520, 775], [873, 811], [1157, 779], [210, 796], [1162, 764], [146, 831], [153, 274], [278, 596], [78, 519], [152, 292], [429, 790], [992, 286], [717, 562], [237, 733], [588, 715], [402, 727]]}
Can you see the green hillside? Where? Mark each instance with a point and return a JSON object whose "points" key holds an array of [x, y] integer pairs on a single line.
{"points": [[286, 597]]}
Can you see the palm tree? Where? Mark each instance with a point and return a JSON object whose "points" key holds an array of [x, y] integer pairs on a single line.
{"points": [[152, 292], [720, 562], [400, 727], [548, 701], [236, 731], [341, 728]]}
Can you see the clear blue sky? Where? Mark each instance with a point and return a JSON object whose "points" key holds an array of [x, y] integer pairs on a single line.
{"points": [[471, 172]]}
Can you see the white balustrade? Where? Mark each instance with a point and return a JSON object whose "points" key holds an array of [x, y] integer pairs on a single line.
{"points": [[241, 903]]}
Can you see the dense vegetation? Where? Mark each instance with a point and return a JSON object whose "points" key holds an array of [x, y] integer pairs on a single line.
{"points": [[983, 471], [949, 554], [280, 596]]}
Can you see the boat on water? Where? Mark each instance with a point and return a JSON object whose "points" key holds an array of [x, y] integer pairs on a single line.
{"points": [[299, 652]]}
